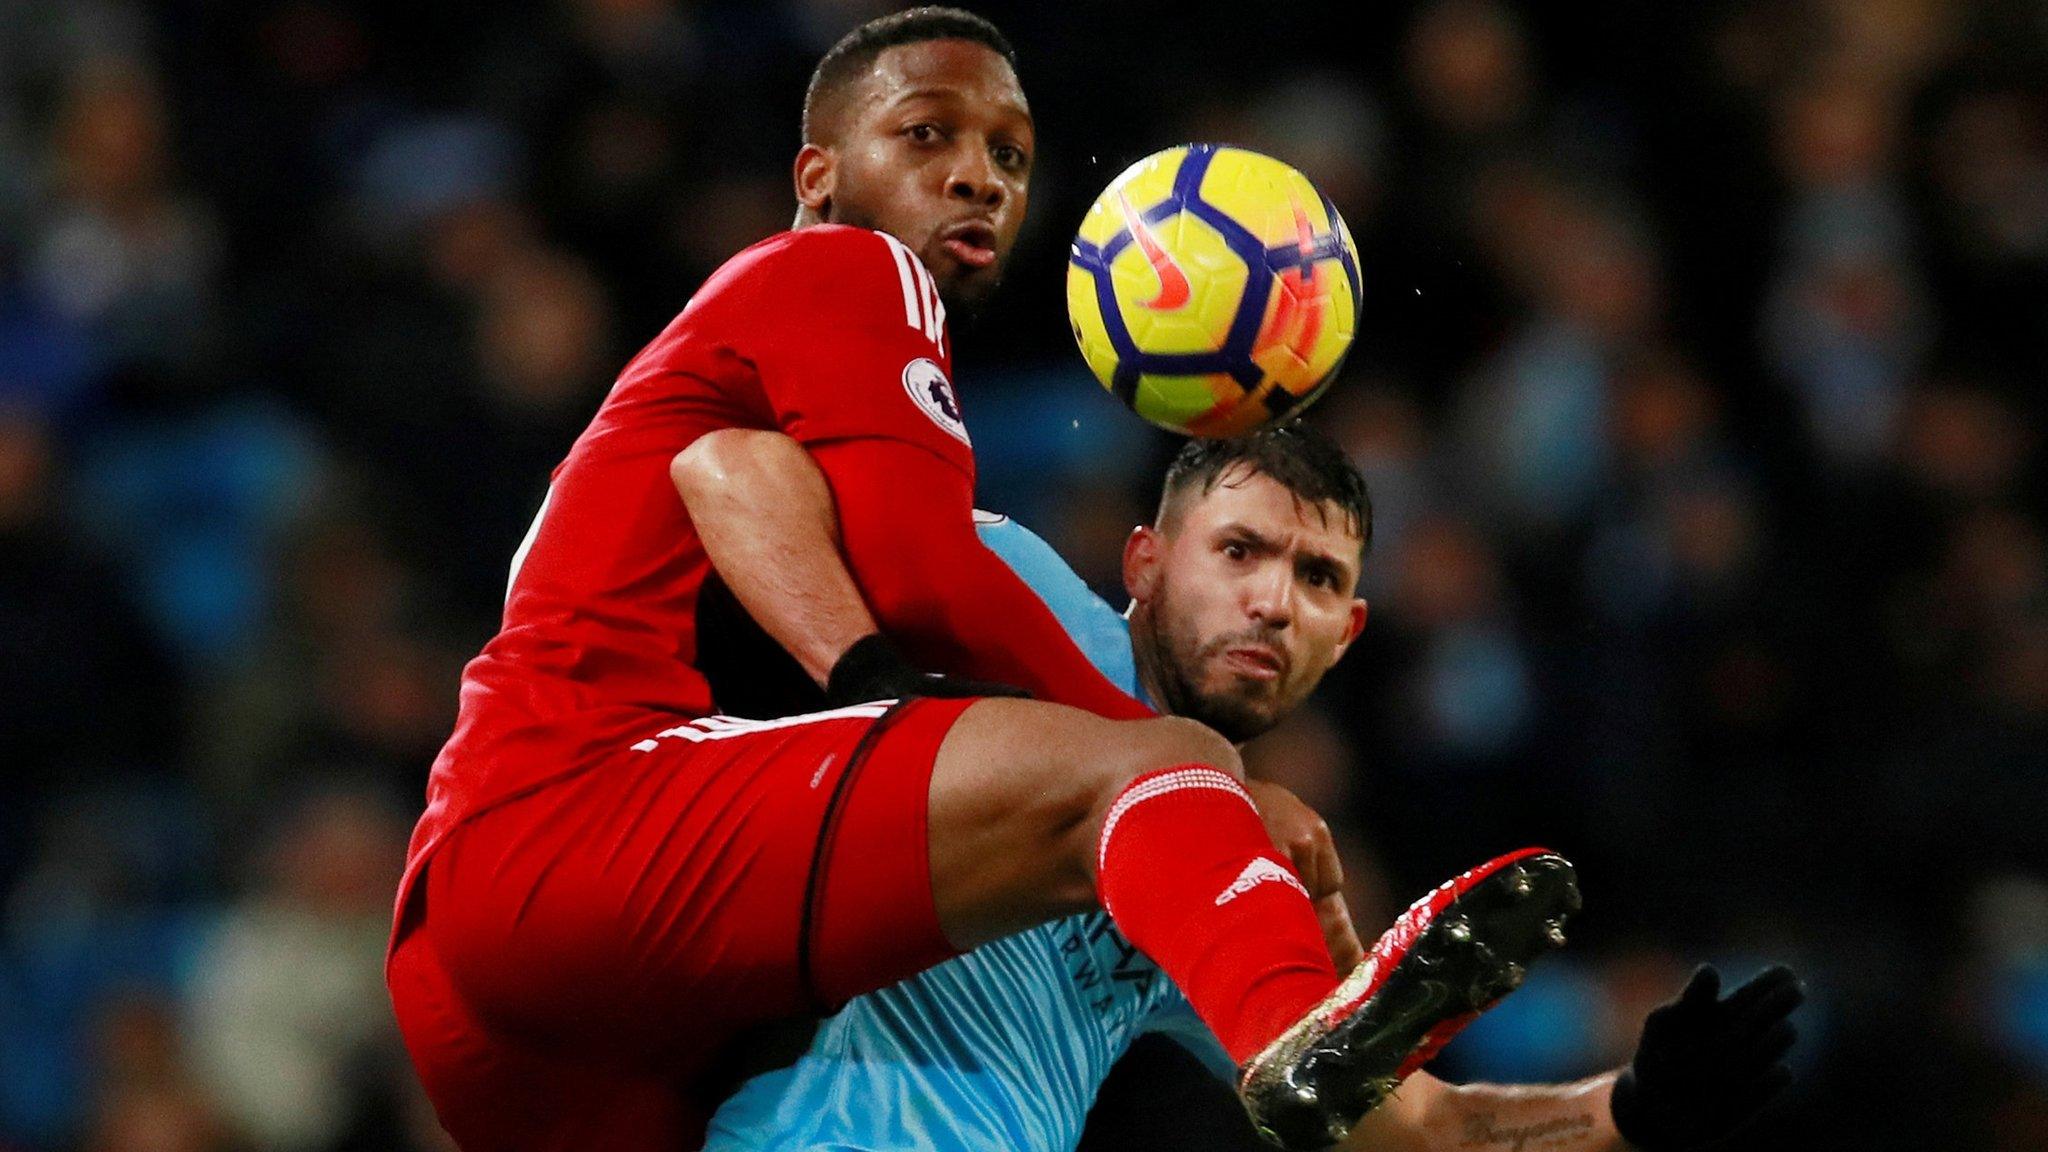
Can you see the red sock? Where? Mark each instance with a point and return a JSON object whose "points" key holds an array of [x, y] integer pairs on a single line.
{"points": [[1186, 870]]}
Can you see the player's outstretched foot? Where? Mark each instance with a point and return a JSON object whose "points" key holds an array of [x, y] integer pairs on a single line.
{"points": [[1447, 959]]}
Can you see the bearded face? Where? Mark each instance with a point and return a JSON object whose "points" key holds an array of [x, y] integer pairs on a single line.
{"points": [[1243, 602]]}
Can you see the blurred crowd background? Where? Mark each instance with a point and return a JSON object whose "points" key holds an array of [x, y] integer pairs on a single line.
{"points": [[1699, 390]]}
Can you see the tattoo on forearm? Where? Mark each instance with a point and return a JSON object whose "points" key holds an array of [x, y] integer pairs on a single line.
{"points": [[1483, 1130]]}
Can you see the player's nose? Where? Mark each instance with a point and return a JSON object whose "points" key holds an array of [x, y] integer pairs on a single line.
{"points": [[1269, 596], [974, 179]]}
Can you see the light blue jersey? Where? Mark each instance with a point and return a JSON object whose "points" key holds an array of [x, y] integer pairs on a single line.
{"points": [[1000, 1050]]}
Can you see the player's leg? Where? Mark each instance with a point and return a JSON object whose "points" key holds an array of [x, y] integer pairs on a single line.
{"points": [[1020, 792], [1033, 811], [1035, 807]]}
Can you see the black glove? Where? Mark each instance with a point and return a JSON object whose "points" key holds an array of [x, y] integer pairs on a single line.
{"points": [[875, 669], [1705, 1065]]}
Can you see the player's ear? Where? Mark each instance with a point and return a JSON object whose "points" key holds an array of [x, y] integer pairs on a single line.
{"points": [[1143, 552], [1353, 627], [815, 173]]}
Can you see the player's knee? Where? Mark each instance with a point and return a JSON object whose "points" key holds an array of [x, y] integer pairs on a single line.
{"points": [[1156, 745], [1135, 750], [1173, 742], [1119, 754]]}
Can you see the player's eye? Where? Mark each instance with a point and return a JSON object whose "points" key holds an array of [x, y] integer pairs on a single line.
{"points": [[923, 133], [1010, 156], [1236, 550]]}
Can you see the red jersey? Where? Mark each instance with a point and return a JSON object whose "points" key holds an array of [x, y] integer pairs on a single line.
{"points": [[836, 337]]}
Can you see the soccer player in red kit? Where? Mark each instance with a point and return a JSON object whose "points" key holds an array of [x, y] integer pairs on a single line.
{"points": [[611, 881]]}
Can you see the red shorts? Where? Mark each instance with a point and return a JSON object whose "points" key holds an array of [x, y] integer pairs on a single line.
{"points": [[570, 966]]}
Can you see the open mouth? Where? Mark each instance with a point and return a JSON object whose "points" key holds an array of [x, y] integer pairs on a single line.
{"points": [[971, 242]]}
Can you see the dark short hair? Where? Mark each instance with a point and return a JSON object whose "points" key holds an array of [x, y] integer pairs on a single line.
{"points": [[856, 51], [1302, 460]]}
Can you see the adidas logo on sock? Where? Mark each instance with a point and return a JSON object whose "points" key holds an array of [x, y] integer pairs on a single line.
{"points": [[1260, 871]]}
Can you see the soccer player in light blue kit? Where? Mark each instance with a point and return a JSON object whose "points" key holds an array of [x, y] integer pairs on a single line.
{"points": [[1006, 1046]]}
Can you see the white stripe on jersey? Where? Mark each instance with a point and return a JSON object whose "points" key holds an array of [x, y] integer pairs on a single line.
{"points": [[934, 311], [904, 263], [725, 727], [526, 545], [922, 308]]}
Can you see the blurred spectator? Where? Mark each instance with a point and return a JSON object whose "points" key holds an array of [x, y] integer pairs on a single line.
{"points": [[1387, 438], [1678, 533], [726, 215], [1441, 698], [1468, 61], [1535, 420], [1847, 322], [544, 351], [1964, 446], [1991, 167], [287, 1008], [106, 910], [188, 484], [47, 360], [119, 249], [349, 681], [147, 1099], [86, 685], [1473, 694]]}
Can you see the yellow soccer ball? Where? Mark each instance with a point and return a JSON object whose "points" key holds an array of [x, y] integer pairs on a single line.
{"points": [[1213, 289]]}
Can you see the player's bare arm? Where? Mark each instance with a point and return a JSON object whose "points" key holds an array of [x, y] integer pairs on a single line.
{"points": [[1429, 1115], [766, 520]]}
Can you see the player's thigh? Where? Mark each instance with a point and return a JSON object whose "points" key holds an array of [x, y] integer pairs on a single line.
{"points": [[1018, 793], [656, 901], [959, 821]]}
